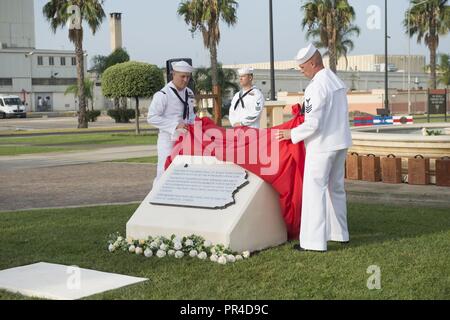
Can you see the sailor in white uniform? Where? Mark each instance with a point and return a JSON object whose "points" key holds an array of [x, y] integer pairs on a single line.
{"points": [[327, 137], [247, 104], [171, 110]]}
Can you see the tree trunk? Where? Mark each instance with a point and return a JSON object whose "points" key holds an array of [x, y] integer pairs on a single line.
{"points": [[216, 90], [82, 116], [137, 116], [331, 30], [433, 47]]}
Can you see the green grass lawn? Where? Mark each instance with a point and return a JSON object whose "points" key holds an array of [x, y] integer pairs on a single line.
{"points": [[410, 245], [69, 142], [152, 159]]}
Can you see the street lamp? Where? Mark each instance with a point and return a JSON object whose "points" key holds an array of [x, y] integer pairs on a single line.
{"points": [[29, 55], [386, 97], [272, 63], [409, 53]]}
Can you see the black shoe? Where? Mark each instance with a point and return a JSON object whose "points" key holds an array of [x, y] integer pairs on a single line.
{"points": [[341, 242], [298, 248]]}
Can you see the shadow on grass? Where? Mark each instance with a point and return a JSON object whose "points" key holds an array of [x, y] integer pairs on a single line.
{"points": [[370, 224]]}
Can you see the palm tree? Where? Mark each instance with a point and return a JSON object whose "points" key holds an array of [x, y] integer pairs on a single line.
{"points": [[88, 91], [100, 63], [58, 14], [204, 16], [428, 20], [444, 70], [344, 44], [331, 22], [226, 79]]}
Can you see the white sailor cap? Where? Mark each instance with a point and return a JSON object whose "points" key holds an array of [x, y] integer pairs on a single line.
{"points": [[182, 66], [304, 54], [244, 71]]}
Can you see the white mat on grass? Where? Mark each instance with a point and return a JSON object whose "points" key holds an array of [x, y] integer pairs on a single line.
{"points": [[60, 282]]}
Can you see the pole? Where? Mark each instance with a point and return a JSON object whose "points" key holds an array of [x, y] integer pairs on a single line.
{"points": [[409, 62], [272, 64], [386, 79]]}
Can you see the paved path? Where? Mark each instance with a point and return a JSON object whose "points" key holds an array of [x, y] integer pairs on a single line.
{"points": [[42, 160], [84, 178], [114, 183], [64, 123], [75, 185]]}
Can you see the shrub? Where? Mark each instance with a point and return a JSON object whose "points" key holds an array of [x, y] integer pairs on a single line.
{"points": [[122, 115], [92, 115]]}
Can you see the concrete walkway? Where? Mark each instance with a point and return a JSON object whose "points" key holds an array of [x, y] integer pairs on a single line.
{"points": [[43, 160]]}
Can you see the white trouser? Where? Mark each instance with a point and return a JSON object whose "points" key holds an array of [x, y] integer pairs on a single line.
{"points": [[324, 207], [164, 145]]}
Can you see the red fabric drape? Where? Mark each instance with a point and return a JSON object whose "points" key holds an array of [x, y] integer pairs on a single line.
{"points": [[280, 164]]}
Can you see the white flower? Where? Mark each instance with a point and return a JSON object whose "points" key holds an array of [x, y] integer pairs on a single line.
{"points": [[171, 252], [111, 248], [177, 239], [160, 253], [148, 252], [179, 254], [207, 244], [213, 258], [238, 257], [119, 239], [189, 243], [424, 132], [138, 250], [222, 260], [131, 248], [231, 258], [246, 254], [177, 246], [154, 245], [129, 240], [213, 250], [163, 247], [202, 255], [193, 253]]}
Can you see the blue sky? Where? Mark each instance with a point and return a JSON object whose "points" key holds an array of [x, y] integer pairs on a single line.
{"points": [[152, 32]]}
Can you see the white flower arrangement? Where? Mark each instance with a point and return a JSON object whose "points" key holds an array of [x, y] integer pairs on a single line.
{"points": [[177, 247], [160, 253], [148, 252]]}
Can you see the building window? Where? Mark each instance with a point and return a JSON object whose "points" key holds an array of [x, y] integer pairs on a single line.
{"points": [[40, 60], [74, 61], [63, 61], [5, 81], [53, 81], [51, 61]]}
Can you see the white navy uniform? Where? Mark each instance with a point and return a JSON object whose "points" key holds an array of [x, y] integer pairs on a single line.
{"points": [[166, 112], [327, 136], [246, 108]]}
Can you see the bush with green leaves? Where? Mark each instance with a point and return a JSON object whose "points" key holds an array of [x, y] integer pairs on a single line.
{"points": [[121, 115], [132, 80], [92, 115]]}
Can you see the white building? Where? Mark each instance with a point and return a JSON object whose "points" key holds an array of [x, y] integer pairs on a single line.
{"points": [[364, 63], [40, 77]]}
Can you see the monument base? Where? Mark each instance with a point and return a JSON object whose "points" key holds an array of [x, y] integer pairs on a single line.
{"points": [[253, 222]]}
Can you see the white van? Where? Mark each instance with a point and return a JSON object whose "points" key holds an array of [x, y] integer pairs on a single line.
{"points": [[11, 106]]}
